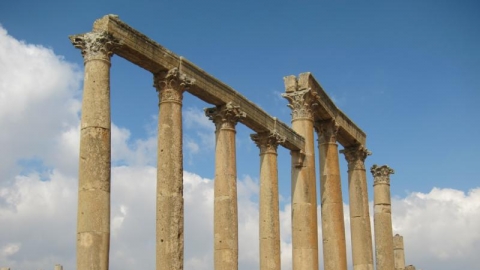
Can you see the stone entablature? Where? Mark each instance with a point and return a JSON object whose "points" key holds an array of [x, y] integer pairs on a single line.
{"points": [[148, 54], [348, 134]]}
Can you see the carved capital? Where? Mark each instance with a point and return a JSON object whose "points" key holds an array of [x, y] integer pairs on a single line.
{"points": [[171, 84], [95, 45], [302, 104], [381, 174], [267, 141], [226, 116], [355, 156], [327, 131]]}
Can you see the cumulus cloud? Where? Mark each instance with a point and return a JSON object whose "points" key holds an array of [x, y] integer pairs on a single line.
{"points": [[39, 119], [201, 137], [38, 91], [440, 228]]}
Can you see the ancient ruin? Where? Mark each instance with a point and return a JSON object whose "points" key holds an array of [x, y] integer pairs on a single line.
{"points": [[312, 111]]}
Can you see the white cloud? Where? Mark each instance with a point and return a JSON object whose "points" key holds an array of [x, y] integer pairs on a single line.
{"points": [[39, 120], [199, 135], [37, 102], [440, 228]]}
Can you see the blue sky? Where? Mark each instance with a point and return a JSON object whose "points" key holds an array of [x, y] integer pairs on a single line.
{"points": [[407, 72]]}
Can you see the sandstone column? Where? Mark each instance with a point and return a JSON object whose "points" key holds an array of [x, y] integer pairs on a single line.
{"points": [[58, 267], [360, 228], [93, 221], [410, 267], [383, 217], [333, 224], [5, 268], [304, 192], [269, 209], [225, 201], [169, 242], [398, 252]]}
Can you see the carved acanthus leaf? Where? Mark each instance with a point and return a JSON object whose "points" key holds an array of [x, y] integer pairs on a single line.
{"points": [[327, 131], [268, 141], [226, 116], [355, 156], [381, 174], [171, 84], [302, 103], [95, 45]]}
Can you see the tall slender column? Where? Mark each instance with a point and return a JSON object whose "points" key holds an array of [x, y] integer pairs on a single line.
{"points": [[269, 212], [169, 237], [225, 193], [398, 252], [362, 252], [93, 217], [333, 224], [304, 191], [383, 217]]}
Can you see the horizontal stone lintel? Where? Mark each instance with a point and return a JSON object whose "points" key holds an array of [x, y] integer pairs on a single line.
{"points": [[148, 54], [349, 134]]}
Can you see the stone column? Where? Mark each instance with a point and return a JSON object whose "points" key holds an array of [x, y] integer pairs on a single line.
{"points": [[383, 217], [304, 190], [58, 267], [93, 217], [225, 201], [269, 209], [5, 268], [360, 228], [333, 224], [169, 241], [398, 252], [410, 267]]}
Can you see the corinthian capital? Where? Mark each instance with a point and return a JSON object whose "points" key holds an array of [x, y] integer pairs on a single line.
{"points": [[95, 45], [327, 131], [171, 84], [381, 174], [302, 103], [267, 141], [226, 116], [355, 156]]}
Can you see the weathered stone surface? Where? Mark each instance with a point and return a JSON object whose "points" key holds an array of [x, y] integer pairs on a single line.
{"points": [[361, 235], [348, 133], [410, 267], [398, 252], [333, 225], [268, 200], [382, 217], [93, 222], [169, 241], [304, 194], [5, 268], [225, 201], [148, 54]]}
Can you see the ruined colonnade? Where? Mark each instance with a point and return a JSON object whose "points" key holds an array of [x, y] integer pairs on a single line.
{"points": [[312, 111]]}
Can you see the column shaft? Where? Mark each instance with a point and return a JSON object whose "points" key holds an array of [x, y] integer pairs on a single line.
{"points": [[93, 221], [169, 237], [269, 209], [398, 252], [225, 193], [383, 218], [333, 224], [58, 267], [360, 228], [304, 190]]}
